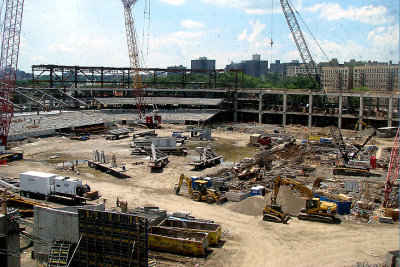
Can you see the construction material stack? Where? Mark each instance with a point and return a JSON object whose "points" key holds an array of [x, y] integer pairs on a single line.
{"points": [[158, 159], [208, 158]]}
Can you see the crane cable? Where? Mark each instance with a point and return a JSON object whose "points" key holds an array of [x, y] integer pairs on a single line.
{"points": [[144, 44], [272, 26], [335, 68]]}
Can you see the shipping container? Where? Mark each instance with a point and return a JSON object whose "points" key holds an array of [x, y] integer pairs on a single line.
{"points": [[178, 241], [212, 229], [343, 207]]}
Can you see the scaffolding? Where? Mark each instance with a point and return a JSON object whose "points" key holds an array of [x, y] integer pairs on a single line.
{"points": [[111, 239]]}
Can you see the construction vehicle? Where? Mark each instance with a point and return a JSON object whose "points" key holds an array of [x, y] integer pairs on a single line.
{"points": [[199, 190], [158, 159], [152, 121], [351, 165], [315, 209]]}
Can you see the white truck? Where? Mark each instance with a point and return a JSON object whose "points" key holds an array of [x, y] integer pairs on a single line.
{"points": [[48, 185]]}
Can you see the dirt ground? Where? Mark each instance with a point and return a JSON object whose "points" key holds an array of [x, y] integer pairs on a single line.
{"points": [[250, 241]]}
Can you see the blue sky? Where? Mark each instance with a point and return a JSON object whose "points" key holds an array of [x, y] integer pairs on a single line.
{"points": [[92, 32]]}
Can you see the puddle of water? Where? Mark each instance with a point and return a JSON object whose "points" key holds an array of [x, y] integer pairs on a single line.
{"points": [[69, 163], [227, 148]]}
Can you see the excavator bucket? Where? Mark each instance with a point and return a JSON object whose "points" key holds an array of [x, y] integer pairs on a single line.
{"points": [[222, 200]]}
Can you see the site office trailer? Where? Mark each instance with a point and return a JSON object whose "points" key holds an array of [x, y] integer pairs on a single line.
{"points": [[67, 186], [39, 183]]}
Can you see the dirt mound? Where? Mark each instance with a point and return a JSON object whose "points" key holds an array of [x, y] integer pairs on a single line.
{"points": [[250, 206], [291, 202]]}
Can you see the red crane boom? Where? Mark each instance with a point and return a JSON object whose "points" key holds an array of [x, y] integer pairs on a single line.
{"points": [[393, 170], [8, 65], [134, 58]]}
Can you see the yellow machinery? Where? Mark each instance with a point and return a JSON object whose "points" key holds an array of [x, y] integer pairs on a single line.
{"points": [[315, 210], [198, 190]]}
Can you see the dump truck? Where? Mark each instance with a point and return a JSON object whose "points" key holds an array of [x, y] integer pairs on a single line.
{"points": [[49, 185]]}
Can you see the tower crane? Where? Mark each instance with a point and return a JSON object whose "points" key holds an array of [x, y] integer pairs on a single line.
{"points": [[8, 66], [393, 170], [309, 63], [133, 49]]}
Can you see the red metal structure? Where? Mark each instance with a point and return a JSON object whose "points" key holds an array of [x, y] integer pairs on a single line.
{"points": [[393, 170], [8, 65], [134, 58]]}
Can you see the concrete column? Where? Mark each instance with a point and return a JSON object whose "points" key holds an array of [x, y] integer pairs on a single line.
{"points": [[390, 111], [260, 107], [284, 108], [235, 107], [369, 106], [310, 108], [340, 111], [361, 112]]}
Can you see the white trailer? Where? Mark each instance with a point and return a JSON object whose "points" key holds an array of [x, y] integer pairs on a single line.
{"points": [[67, 186], [33, 182], [48, 185]]}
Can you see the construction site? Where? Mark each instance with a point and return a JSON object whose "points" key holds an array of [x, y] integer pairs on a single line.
{"points": [[115, 171]]}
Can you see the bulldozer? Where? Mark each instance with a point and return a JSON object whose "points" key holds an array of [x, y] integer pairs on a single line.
{"points": [[315, 210], [199, 190]]}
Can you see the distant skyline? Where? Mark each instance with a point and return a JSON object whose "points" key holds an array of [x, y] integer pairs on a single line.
{"points": [[92, 32]]}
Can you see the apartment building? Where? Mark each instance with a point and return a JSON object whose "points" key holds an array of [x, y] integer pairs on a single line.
{"points": [[336, 79], [377, 77]]}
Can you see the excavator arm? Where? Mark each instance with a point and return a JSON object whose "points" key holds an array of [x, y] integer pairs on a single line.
{"points": [[188, 181], [289, 182], [315, 210]]}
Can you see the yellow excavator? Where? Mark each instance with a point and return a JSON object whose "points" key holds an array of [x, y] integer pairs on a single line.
{"points": [[198, 190], [316, 210]]}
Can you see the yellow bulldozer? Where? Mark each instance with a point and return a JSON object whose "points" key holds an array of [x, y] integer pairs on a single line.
{"points": [[199, 190], [315, 210]]}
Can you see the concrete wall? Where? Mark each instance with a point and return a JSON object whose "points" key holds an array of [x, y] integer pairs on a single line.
{"points": [[57, 224], [9, 240], [23, 135]]}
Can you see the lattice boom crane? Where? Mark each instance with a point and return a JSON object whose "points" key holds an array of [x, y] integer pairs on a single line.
{"points": [[134, 58], [8, 65], [393, 170], [309, 63]]}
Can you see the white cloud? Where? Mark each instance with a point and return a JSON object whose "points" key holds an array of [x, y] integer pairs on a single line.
{"points": [[257, 29], [179, 38], [38, 58], [191, 24], [255, 38], [174, 2], [243, 35], [385, 42], [252, 7], [251, 11], [57, 47], [367, 14]]}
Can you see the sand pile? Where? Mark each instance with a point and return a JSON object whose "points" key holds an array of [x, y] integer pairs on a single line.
{"points": [[250, 206], [291, 202]]}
